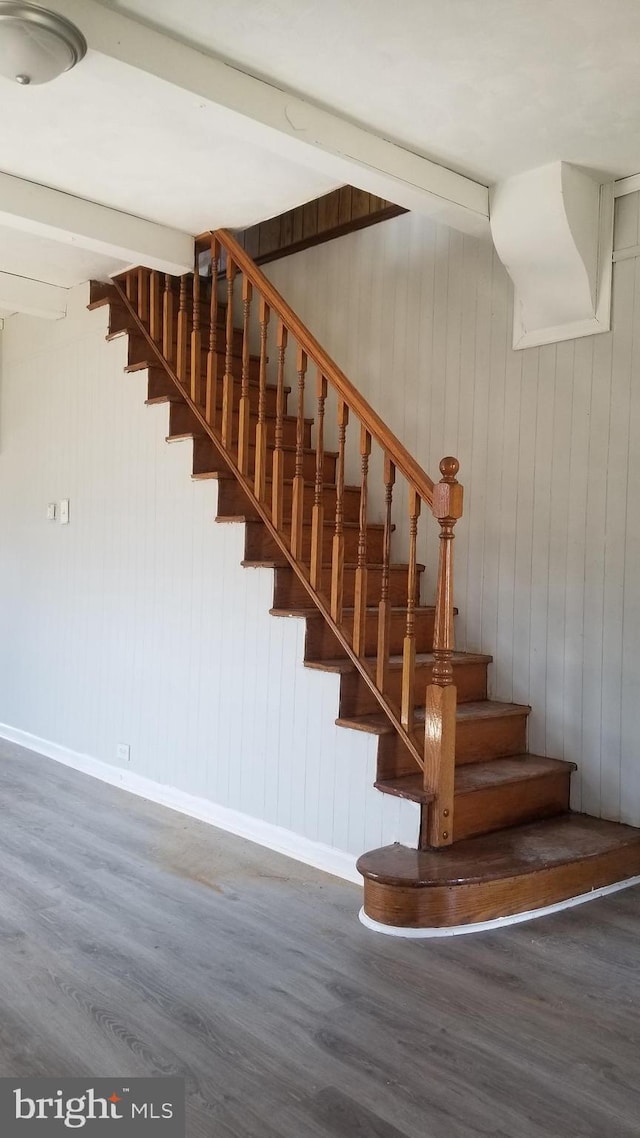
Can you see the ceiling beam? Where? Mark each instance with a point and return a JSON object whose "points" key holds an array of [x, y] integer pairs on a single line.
{"points": [[262, 114], [39, 210], [34, 298]]}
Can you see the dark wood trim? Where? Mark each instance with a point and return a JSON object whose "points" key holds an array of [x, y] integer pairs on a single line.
{"points": [[323, 219]]}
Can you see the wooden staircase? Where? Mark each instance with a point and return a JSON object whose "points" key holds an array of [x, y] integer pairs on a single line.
{"points": [[228, 356]]}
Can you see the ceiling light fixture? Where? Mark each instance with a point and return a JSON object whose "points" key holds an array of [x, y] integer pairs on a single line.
{"points": [[37, 45]]}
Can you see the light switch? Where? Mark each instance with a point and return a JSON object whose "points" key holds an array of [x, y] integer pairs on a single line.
{"points": [[64, 512], [51, 512]]}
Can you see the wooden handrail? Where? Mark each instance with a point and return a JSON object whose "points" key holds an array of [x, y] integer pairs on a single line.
{"points": [[376, 426]]}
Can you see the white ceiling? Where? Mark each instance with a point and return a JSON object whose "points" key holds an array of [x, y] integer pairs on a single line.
{"points": [[125, 139], [26, 255], [487, 87]]}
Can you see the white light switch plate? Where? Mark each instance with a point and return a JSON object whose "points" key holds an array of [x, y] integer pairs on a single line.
{"points": [[51, 512], [64, 512]]}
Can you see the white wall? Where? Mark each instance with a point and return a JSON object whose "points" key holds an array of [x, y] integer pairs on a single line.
{"points": [[548, 440], [137, 624]]}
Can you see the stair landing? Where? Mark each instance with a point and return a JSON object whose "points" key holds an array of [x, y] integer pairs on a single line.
{"points": [[496, 875]]}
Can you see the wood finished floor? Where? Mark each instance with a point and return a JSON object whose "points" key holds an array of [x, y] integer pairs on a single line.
{"points": [[134, 941]]}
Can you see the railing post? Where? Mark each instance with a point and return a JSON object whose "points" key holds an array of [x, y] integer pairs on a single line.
{"points": [[384, 608], [261, 429], [227, 383], [409, 646], [155, 307], [317, 520], [297, 508], [167, 319], [244, 410], [337, 551], [211, 398], [277, 469], [360, 587], [196, 335], [183, 325], [440, 710]]}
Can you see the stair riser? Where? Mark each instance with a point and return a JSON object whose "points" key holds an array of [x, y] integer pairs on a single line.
{"points": [[233, 502], [476, 741], [260, 546], [290, 592], [494, 738], [357, 699], [205, 303], [483, 811], [162, 386], [321, 643], [121, 321], [183, 420], [204, 446], [139, 351], [445, 907]]}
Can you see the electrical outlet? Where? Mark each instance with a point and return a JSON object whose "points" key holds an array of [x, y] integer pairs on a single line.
{"points": [[52, 512], [123, 752]]}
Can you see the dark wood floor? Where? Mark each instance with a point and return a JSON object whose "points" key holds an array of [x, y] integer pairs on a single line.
{"points": [[134, 941]]}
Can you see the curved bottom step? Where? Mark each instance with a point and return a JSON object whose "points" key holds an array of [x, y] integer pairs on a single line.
{"points": [[517, 871]]}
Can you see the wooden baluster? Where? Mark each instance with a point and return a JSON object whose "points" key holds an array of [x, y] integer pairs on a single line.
{"points": [[227, 383], [196, 336], [130, 286], [360, 596], [143, 295], [261, 429], [440, 711], [409, 646], [167, 320], [245, 403], [155, 307], [277, 488], [384, 608], [317, 519], [212, 358], [297, 512], [337, 553], [183, 332]]}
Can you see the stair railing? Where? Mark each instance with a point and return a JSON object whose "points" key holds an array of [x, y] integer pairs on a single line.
{"points": [[201, 329]]}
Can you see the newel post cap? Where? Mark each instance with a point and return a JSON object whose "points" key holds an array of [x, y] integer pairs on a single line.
{"points": [[448, 493]]}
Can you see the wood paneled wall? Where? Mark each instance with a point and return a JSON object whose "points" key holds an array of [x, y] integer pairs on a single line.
{"points": [[420, 318], [137, 624], [333, 215]]}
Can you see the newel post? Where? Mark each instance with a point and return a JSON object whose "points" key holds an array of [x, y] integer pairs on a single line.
{"points": [[440, 710]]}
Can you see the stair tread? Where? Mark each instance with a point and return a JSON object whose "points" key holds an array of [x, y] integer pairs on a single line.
{"points": [[377, 723], [311, 611], [395, 662], [254, 415], [480, 776], [289, 482], [514, 852], [202, 434], [271, 563]]}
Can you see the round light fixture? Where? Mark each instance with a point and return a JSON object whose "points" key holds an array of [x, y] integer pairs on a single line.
{"points": [[37, 45]]}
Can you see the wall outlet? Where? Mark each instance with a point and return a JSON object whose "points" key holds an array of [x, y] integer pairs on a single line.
{"points": [[123, 752], [64, 512], [52, 512]]}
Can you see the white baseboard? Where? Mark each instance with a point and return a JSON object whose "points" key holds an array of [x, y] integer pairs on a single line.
{"points": [[286, 842]]}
